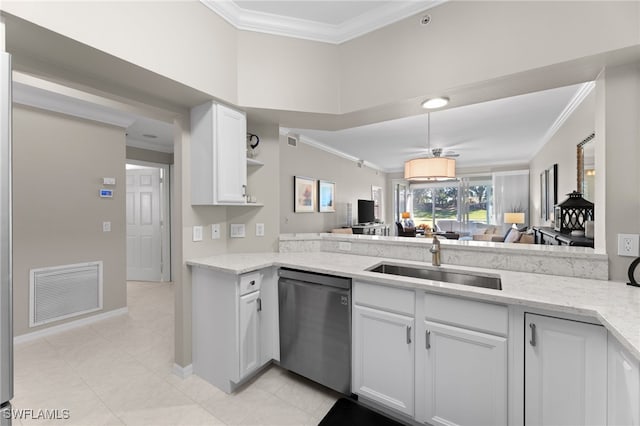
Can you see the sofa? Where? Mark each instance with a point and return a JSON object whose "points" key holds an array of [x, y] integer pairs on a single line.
{"points": [[495, 234], [405, 232]]}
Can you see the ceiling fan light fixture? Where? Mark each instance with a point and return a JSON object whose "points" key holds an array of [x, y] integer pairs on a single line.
{"points": [[429, 169], [434, 168], [434, 103]]}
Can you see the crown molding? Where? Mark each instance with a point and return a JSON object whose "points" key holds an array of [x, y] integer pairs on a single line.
{"points": [[319, 145], [268, 23], [152, 146], [574, 103]]}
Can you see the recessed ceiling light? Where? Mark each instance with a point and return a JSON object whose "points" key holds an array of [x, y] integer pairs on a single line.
{"points": [[435, 103], [150, 136]]}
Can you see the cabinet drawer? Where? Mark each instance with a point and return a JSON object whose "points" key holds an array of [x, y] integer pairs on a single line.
{"points": [[386, 298], [250, 282], [467, 313]]}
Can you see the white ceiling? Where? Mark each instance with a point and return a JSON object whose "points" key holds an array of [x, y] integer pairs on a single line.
{"points": [[327, 21], [501, 132]]}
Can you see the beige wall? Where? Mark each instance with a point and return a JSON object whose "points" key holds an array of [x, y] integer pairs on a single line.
{"points": [[561, 150], [477, 41], [617, 156], [288, 74], [352, 183], [58, 166], [396, 63], [181, 40]]}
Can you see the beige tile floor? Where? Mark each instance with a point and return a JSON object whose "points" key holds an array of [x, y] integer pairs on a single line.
{"points": [[118, 371]]}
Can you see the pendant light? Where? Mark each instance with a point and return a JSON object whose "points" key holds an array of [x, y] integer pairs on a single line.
{"points": [[430, 168]]}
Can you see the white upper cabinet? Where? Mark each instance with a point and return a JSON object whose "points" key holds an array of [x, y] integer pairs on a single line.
{"points": [[218, 155], [565, 372]]}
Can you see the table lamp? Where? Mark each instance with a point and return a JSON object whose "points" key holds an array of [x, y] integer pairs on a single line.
{"points": [[405, 216], [514, 218]]}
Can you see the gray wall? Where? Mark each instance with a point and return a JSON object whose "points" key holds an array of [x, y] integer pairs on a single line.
{"points": [[58, 166], [352, 183]]}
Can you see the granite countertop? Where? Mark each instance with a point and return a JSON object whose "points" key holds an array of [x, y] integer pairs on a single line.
{"points": [[614, 304]]}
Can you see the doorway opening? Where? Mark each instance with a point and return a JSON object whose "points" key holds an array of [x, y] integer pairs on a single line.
{"points": [[148, 221]]}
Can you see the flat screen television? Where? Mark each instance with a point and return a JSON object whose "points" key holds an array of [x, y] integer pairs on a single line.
{"points": [[366, 211]]}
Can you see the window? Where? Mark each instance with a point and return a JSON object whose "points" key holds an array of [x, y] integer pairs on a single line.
{"points": [[466, 200]]}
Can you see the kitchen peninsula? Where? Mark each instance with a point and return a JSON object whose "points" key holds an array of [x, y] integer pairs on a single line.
{"points": [[498, 326]]}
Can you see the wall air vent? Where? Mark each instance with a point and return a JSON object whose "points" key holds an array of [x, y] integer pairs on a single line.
{"points": [[292, 140], [60, 292]]}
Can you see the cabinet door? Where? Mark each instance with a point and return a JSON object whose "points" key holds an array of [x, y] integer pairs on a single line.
{"points": [[465, 376], [231, 155], [383, 358], [565, 372], [624, 386], [249, 333]]}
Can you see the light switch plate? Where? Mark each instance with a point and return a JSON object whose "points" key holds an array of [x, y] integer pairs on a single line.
{"points": [[109, 181], [106, 226], [237, 230], [215, 231], [259, 229], [197, 233]]}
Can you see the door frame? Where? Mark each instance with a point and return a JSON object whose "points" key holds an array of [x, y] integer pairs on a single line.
{"points": [[165, 225]]}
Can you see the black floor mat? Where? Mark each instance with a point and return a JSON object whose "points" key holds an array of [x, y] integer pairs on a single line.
{"points": [[346, 412]]}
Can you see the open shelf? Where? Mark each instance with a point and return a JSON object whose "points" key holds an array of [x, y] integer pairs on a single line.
{"points": [[252, 162]]}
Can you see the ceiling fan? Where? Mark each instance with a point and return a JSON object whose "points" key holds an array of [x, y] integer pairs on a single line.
{"points": [[439, 152]]}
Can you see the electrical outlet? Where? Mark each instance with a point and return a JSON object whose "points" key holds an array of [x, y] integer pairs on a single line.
{"points": [[237, 230], [259, 229], [197, 233], [628, 245], [215, 231]]}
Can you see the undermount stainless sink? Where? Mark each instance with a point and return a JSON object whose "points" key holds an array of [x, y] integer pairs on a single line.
{"points": [[464, 278]]}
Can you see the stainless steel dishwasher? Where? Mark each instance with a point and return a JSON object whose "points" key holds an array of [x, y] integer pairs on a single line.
{"points": [[315, 327]]}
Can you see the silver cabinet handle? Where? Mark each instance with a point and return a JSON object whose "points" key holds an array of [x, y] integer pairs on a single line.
{"points": [[408, 334], [259, 300], [427, 339], [533, 334], [244, 190]]}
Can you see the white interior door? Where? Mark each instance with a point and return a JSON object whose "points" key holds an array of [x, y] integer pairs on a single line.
{"points": [[144, 222]]}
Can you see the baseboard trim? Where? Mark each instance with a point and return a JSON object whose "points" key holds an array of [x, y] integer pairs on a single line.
{"points": [[68, 326], [183, 372]]}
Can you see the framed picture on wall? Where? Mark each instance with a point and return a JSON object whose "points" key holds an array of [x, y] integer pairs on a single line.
{"points": [[552, 190], [326, 196], [304, 195], [543, 196]]}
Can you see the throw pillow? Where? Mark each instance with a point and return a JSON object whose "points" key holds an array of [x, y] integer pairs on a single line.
{"points": [[490, 230], [513, 236]]}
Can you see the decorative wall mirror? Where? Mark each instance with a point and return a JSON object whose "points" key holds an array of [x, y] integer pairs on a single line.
{"points": [[586, 167]]}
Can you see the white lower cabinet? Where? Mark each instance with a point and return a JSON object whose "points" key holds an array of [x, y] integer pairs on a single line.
{"points": [[383, 358], [465, 376], [383, 346], [235, 324], [565, 372], [461, 362], [623, 376], [249, 330]]}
